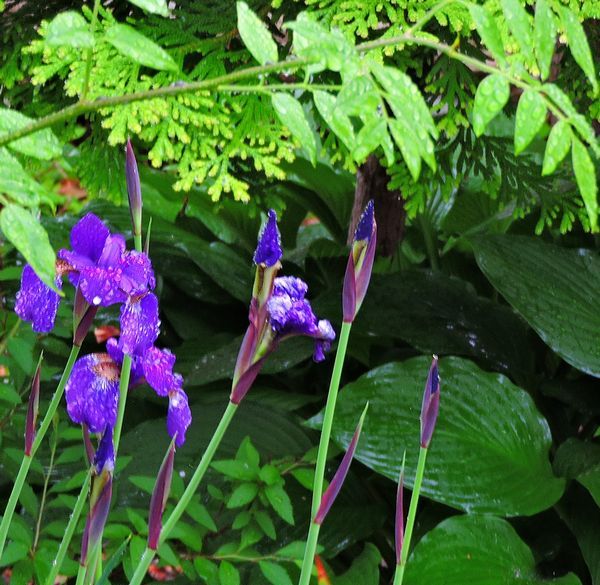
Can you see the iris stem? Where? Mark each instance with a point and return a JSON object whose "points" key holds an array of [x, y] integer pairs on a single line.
{"points": [[26, 461], [412, 513], [188, 494], [334, 386], [123, 389], [70, 530]]}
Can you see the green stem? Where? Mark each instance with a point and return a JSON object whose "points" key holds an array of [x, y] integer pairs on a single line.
{"points": [[81, 575], [412, 513], [189, 492], [26, 461], [123, 389], [90, 52], [137, 241], [334, 386], [69, 530], [38, 524]]}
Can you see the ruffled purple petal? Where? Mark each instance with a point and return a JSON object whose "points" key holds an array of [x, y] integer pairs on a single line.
{"points": [[158, 370], [92, 392], [323, 340], [36, 302], [88, 237], [268, 251], [179, 416], [140, 324], [292, 286], [137, 274]]}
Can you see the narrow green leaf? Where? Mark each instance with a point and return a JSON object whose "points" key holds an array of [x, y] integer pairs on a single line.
{"points": [[112, 563], [30, 238], [266, 524], [557, 147], [403, 139], [585, 173], [488, 31], [519, 25], [578, 43], [336, 119], [531, 115], [139, 48], [290, 113], [69, 29], [274, 573], [491, 96], [228, 574], [544, 35], [255, 35], [153, 6], [42, 144], [16, 182]]}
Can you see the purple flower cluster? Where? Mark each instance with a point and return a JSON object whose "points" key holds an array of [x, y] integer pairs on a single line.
{"points": [[106, 273]]}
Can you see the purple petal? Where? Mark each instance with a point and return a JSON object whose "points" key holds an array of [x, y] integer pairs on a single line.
{"points": [[140, 324], [114, 351], [37, 302], [268, 251], [242, 385], [88, 237], [364, 229], [104, 460], [335, 486], [179, 416], [112, 253], [92, 392], [349, 291], [431, 403], [364, 270], [292, 286], [158, 365], [137, 275], [160, 495], [323, 340]]}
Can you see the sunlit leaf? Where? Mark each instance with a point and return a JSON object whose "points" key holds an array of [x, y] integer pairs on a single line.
{"points": [[492, 94], [291, 114], [69, 29], [255, 35], [531, 115]]}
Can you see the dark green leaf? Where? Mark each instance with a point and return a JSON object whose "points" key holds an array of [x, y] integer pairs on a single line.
{"points": [[553, 288], [29, 237], [485, 22], [585, 173], [255, 35], [479, 550], [531, 115], [489, 452], [153, 6], [292, 116], [519, 24], [491, 96], [364, 569], [557, 147], [69, 29], [576, 459], [41, 144], [139, 48], [112, 563], [544, 34]]}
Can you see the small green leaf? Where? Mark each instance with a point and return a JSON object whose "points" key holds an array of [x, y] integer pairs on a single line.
{"points": [[585, 173], [544, 35], [337, 120], [139, 48], [266, 524], [280, 502], [30, 238], [491, 96], [519, 25], [248, 454], [41, 144], [153, 6], [290, 113], [578, 43], [531, 115], [201, 515], [255, 35], [242, 495], [69, 29], [557, 147], [274, 573], [234, 469], [228, 574], [488, 31]]}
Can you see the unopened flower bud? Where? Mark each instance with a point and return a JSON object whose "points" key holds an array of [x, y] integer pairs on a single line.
{"points": [[431, 403]]}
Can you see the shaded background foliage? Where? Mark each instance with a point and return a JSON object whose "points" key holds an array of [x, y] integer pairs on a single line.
{"points": [[513, 486]]}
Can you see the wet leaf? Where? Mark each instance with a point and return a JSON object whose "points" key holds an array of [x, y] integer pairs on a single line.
{"points": [[69, 29], [531, 115], [255, 35], [491, 96], [291, 114], [42, 144]]}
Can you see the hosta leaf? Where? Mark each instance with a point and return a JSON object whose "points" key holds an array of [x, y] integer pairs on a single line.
{"points": [[544, 35], [153, 6], [479, 550], [576, 459], [489, 452], [291, 114], [42, 144], [139, 48], [255, 35], [585, 174], [531, 114], [485, 22], [69, 29], [557, 146], [553, 288], [491, 96], [519, 25]]}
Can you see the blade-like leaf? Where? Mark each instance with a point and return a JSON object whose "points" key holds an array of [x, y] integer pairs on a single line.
{"points": [[485, 22], [585, 173], [290, 112], [255, 35], [491, 96], [544, 36], [334, 117], [519, 25], [531, 115], [557, 147]]}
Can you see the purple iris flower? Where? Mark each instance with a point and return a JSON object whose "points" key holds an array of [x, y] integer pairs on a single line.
{"points": [[92, 391], [268, 252]]}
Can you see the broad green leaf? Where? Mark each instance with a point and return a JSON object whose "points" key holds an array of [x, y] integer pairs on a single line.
{"points": [[576, 459], [553, 288], [489, 452], [242, 495], [557, 146], [228, 574], [29, 237], [531, 115], [544, 36], [69, 29], [139, 48], [41, 144], [274, 573], [337, 120], [491, 96], [479, 550], [14, 552], [485, 22], [256, 37], [290, 112], [364, 568], [585, 173], [16, 182], [519, 24], [578, 43], [153, 6]]}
